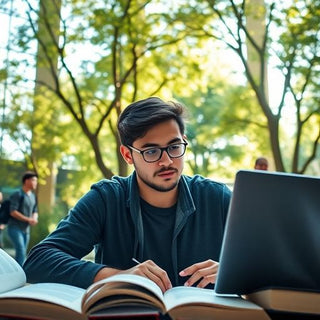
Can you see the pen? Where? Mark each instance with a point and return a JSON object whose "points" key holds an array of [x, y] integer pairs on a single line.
{"points": [[135, 260]]}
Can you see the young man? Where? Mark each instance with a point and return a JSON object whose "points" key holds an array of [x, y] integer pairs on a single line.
{"points": [[23, 214], [171, 223]]}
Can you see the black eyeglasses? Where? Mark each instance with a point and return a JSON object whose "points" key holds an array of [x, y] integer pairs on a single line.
{"points": [[154, 154]]}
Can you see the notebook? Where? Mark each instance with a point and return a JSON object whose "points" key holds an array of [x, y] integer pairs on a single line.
{"points": [[272, 236]]}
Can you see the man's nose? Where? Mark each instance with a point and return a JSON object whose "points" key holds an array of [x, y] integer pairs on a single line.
{"points": [[165, 158]]}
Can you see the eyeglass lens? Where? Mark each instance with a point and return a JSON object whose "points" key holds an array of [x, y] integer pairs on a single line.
{"points": [[174, 151]]}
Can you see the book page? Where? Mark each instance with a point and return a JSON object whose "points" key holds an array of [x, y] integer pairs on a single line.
{"points": [[129, 284], [191, 295], [12, 275], [61, 294]]}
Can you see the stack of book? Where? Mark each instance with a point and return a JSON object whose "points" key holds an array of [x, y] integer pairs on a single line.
{"points": [[119, 296]]}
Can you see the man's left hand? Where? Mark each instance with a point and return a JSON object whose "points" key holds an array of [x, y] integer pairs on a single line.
{"points": [[205, 271]]}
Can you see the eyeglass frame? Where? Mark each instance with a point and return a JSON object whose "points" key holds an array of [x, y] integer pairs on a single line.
{"points": [[185, 143]]}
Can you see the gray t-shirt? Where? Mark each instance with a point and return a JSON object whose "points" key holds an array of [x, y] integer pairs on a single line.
{"points": [[25, 204]]}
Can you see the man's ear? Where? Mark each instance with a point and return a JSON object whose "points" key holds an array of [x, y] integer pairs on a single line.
{"points": [[126, 154]]}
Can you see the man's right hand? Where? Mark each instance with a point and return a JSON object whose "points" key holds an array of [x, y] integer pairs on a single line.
{"points": [[146, 269]]}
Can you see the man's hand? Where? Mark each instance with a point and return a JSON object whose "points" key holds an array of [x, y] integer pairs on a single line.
{"points": [[152, 271], [205, 271], [34, 219], [146, 269]]}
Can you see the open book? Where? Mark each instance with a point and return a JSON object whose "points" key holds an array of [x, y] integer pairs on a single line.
{"points": [[113, 296]]}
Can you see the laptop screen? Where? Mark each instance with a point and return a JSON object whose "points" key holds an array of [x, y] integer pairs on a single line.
{"points": [[272, 236]]}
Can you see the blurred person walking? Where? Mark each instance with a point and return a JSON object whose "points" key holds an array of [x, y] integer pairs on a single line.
{"points": [[23, 214]]}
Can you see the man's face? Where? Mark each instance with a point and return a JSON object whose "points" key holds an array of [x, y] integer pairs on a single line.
{"points": [[32, 183], [262, 166], [162, 175]]}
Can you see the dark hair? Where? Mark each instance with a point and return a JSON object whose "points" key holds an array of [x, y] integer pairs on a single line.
{"points": [[261, 160], [27, 175], [137, 118]]}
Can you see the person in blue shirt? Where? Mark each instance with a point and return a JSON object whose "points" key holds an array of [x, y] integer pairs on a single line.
{"points": [[171, 223], [23, 215]]}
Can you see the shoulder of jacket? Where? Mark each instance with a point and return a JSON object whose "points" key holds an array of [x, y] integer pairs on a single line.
{"points": [[115, 183], [198, 181]]}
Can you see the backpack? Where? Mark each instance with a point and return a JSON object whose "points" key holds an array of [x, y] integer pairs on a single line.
{"points": [[5, 210]]}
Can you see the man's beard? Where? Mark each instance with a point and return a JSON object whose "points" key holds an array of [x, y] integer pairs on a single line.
{"points": [[157, 187]]}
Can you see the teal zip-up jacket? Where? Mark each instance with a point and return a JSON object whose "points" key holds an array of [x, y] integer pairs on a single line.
{"points": [[108, 219]]}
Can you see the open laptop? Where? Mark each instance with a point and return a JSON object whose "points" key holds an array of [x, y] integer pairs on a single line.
{"points": [[272, 237]]}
